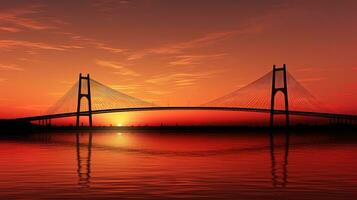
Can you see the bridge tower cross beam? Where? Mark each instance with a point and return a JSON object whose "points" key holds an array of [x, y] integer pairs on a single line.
{"points": [[84, 95], [274, 90]]}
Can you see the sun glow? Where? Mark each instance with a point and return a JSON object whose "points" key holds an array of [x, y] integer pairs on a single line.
{"points": [[119, 124]]}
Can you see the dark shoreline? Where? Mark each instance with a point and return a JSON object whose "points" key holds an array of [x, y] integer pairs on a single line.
{"points": [[16, 127]]}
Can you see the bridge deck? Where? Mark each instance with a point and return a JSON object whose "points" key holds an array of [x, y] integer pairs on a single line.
{"points": [[258, 110]]}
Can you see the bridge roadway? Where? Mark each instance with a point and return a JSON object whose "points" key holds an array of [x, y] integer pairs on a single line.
{"points": [[258, 110]]}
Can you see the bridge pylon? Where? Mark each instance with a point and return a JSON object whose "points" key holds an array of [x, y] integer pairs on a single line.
{"points": [[84, 95], [274, 90]]}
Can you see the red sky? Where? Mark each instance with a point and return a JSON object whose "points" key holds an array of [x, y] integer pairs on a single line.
{"points": [[173, 52]]}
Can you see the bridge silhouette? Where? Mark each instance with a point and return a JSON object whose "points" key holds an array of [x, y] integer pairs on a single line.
{"points": [[258, 96]]}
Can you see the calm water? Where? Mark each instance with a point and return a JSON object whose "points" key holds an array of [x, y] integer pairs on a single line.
{"points": [[138, 165]]}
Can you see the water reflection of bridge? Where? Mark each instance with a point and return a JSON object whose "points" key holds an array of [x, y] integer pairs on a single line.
{"points": [[279, 158], [278, 148], [84, 156]]}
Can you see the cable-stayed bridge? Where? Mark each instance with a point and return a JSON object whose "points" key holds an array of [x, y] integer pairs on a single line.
{"points": [[88, 97]]}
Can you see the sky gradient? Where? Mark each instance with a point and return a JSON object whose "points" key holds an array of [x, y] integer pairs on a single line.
{"points": [[173, 52]]}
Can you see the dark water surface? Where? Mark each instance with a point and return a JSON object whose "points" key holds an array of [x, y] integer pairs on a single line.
{"points": [[167, 165]]}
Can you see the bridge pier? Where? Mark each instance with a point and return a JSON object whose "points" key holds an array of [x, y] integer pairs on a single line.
{"points": [[47, 122], [89, 100], [275, 90], [334, 121], [330, 121], [42, 122]]}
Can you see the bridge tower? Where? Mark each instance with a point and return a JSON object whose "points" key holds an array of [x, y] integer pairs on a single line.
{"points": [[274, 90], [85, 95]]}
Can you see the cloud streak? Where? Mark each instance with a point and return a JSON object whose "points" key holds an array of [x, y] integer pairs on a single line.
{"points": [[11, 44], [109, 6], [118, 67], [10, 67], [128, 88], [83, 40], [9, 29], [193, 59], [182, 79], [20, 18], [198, 42]]}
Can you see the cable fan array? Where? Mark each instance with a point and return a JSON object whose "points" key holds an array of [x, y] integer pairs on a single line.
{"points": [[258, 95], [254, 95], [103, 97]]}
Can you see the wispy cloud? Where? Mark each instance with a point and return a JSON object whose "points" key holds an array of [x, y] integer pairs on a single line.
{"points": [[108, 48], [206, 39], [109, 64], [31, 18], [22, 18], [10, 29], [193, 59], [185, 82], [83, 40], [10, 67], [108, 6], [10, 44], [126, 87], [198, 42], [182, 79], [118, 67]]}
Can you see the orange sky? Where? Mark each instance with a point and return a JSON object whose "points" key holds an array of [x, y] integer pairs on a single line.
{"points": [[173, 52]]}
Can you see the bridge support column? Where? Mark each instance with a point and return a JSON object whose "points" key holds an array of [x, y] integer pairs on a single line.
{"points": [[333, 121], [275, 90], [89, 100], [47, 122]]}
